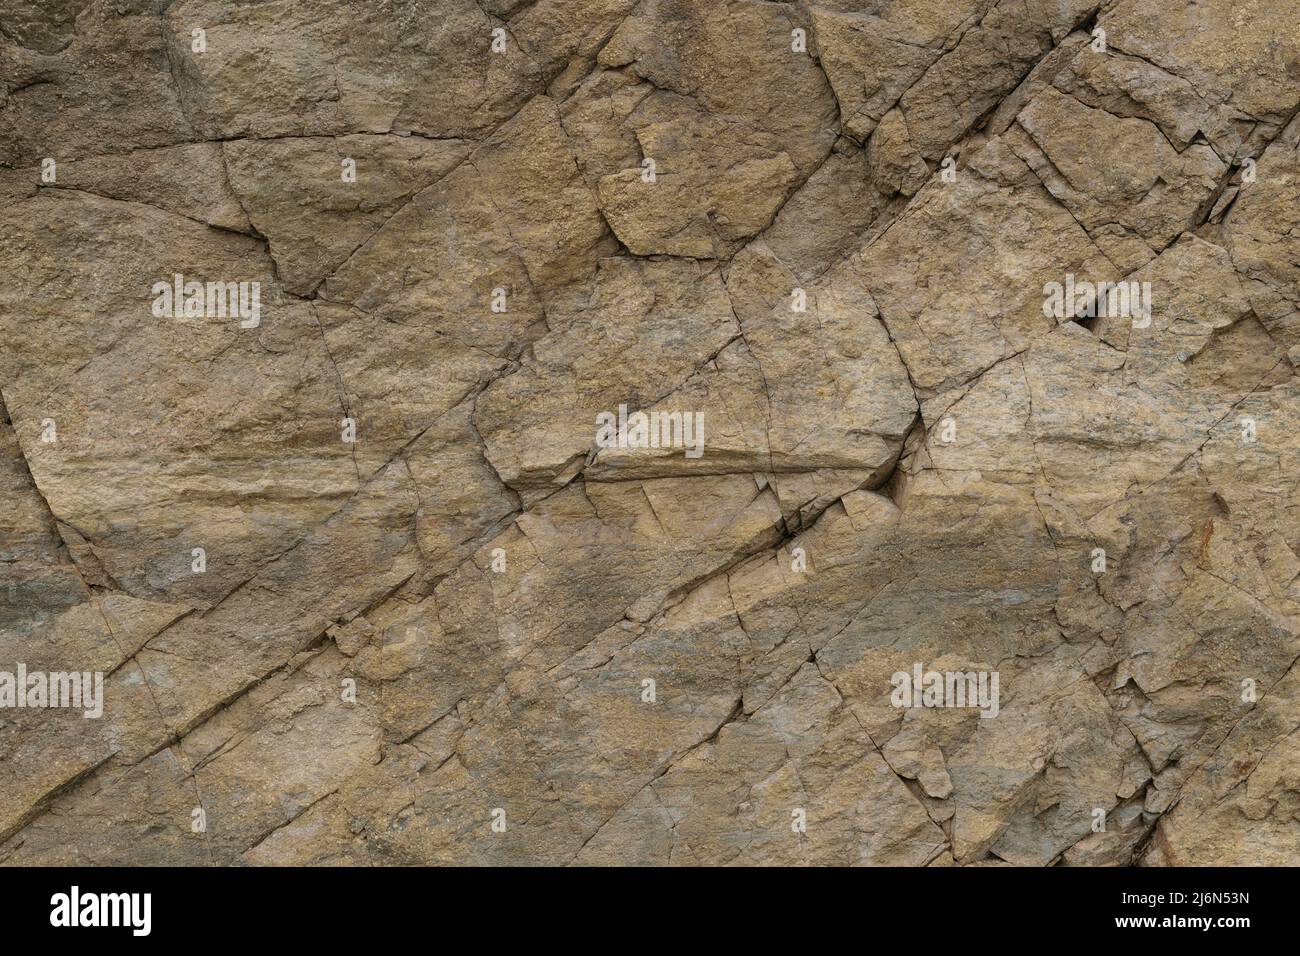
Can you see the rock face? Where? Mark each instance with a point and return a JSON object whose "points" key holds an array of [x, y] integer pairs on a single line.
{"points": [[677, 432]]}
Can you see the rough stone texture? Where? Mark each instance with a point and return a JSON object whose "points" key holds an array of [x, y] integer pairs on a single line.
{"points": [[434, 644]]}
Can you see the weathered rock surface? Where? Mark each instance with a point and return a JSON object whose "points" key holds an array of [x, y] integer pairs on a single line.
{"points": [[388, 568]]}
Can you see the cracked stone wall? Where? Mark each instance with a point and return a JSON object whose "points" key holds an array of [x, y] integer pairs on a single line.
{"points": [[377, 563]]}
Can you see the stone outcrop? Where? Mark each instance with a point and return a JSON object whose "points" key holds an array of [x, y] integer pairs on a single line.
{"points": [[333, 334]]}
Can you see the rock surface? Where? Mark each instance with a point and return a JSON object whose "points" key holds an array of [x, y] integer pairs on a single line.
{"points": [[376, 568]]}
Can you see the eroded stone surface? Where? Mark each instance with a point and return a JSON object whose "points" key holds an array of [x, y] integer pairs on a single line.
{"points": [[368, 583]]}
